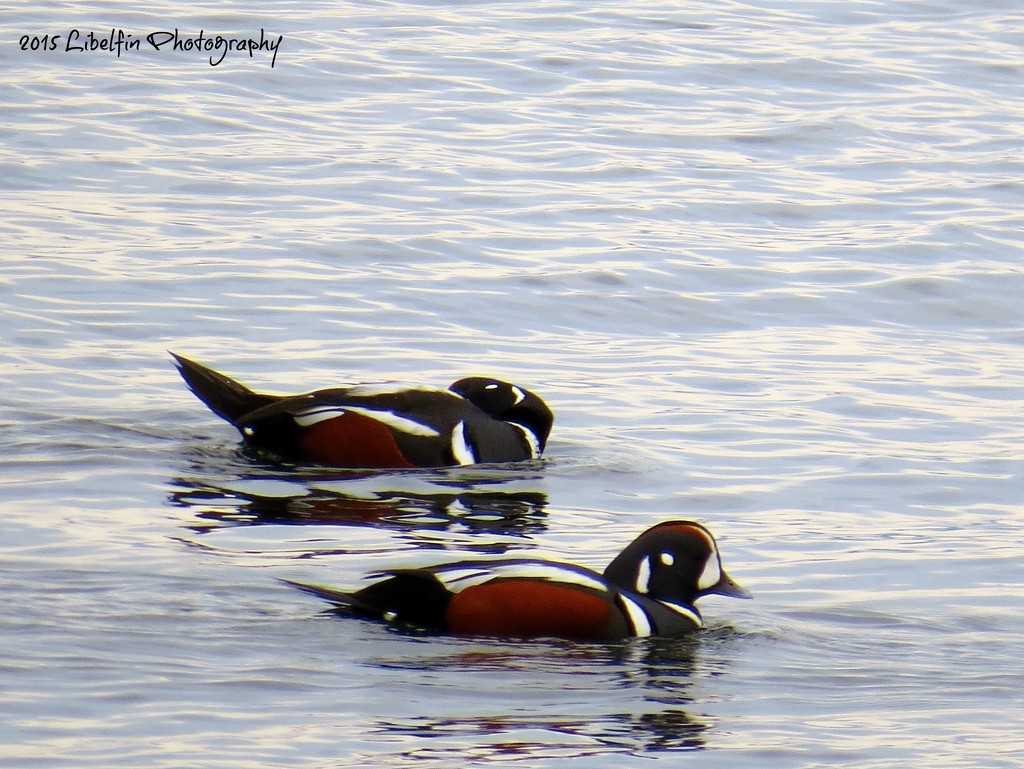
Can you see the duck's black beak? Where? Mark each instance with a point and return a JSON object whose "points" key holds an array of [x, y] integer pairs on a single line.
{"points": [[727, 586]]}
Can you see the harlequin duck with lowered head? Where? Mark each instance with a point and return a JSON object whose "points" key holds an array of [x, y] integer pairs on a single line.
{"points": [[649, 589], [382, 425]]}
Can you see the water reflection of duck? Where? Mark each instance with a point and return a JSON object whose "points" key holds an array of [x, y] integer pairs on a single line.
{"points": [[630, 698], [476, 510], [382, 425], [648, 589]]}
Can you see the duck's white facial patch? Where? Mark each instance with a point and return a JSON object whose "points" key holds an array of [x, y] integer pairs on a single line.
{"points": [[492, 386], [637, 617], [520, 395], [643, 576], [461, 449], [667, 559], [712, 573]]}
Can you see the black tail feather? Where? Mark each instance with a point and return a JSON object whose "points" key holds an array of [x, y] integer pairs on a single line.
{"points": [[411, 597], [339, 598], [224, 396]]}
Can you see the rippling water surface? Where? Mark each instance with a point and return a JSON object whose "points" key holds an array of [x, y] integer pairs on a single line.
{"points": [[763, 259]]}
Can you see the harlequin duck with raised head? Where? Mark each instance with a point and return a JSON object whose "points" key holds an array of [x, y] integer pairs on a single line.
{"points": [[648, 590], [382, 425]]}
